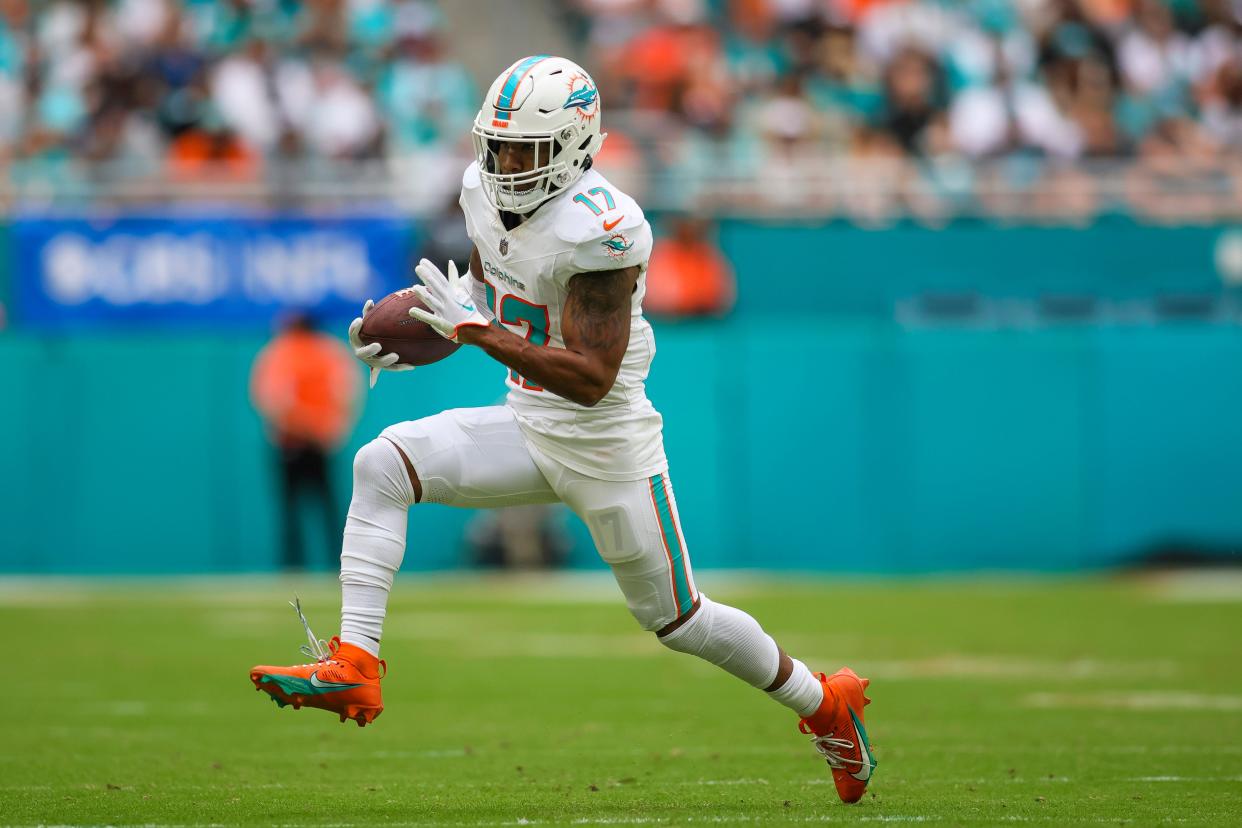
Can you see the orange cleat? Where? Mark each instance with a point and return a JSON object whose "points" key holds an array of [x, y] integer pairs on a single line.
{"points": [[839, 735], [345, 680]]}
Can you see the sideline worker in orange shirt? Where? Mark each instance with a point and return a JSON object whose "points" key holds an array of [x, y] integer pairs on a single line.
{"points": [[305, 384], [688, 275]]}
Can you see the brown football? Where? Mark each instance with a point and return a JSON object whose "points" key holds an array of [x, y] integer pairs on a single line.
{"points": [[389, 323]]}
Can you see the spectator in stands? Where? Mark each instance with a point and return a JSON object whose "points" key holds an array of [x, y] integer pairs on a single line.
{"points": [[791, 129], [246, 92], [688, 275], [427, 98], [210, 152], [913, 96], [305, 385], [663, 63], [1155, 59], [339, 119], [1220, 101]]}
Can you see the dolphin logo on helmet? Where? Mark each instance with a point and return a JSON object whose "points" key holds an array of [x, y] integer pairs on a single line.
{"points": [[582, 97]]}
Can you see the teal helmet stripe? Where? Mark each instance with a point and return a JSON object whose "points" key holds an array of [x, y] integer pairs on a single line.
{"points": [[504, 101]]}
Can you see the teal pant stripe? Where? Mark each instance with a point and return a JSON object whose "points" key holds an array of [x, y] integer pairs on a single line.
{"points": [[672, 540]]}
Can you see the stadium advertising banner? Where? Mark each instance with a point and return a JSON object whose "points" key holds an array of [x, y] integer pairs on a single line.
{"points": [[200, 270]]}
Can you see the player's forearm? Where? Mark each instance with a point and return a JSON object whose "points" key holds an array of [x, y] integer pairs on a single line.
{"points": [[569, 374]]}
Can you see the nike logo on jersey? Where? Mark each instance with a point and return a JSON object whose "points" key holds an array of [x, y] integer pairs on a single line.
{"points": [[608, 225]]}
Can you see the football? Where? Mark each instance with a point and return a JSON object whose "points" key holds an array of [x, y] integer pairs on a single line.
{"points": [[389, 323]]}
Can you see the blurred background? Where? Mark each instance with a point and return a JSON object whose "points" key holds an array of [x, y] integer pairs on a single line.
{"points": [[937, 286]]}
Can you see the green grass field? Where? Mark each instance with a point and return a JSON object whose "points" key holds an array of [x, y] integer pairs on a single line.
{"points": [[537, 700]]}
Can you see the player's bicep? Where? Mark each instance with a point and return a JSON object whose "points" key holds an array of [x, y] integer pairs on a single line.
{"points": [[596, 319], [476, 264], [480, 291]]}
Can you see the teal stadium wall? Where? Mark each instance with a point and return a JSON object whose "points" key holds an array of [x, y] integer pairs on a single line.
{"points": [[802, 436]]}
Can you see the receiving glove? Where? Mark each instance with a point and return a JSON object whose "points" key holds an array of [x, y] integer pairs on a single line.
{"points": [[450, 304], [370, 354]]}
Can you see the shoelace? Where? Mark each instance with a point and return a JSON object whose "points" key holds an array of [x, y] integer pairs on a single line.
{"points": [[317, 648], [827, 746]]}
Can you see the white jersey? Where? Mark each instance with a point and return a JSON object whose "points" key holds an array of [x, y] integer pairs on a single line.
{"points": [[592, 226]]}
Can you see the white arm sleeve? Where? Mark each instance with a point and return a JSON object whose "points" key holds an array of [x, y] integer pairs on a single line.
{"points": [[478, 292]]}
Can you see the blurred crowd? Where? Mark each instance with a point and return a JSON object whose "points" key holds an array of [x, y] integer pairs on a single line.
{"points": [[219, 87], [941, 99], [1062, 78], [928, 106]]}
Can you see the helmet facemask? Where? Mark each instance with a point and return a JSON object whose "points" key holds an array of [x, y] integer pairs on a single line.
{"points": [[553, 168]]}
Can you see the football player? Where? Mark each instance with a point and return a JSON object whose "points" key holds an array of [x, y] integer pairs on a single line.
{"points": [[554, 292]]}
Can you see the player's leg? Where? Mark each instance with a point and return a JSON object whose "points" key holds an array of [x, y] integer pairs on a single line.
{"points": [[465, 457], [470, 458], [325, 493], [637, 531], [292, 551]]}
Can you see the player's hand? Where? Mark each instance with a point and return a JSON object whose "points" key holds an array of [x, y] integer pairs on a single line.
{"points": [[370, 354], [450, 305]]}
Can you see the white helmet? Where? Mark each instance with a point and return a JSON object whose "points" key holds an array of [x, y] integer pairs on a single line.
{"points": [[550, 102]]}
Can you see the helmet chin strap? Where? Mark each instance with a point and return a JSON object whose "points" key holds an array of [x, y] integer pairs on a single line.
{"points": [[530, 211], [526, 211], [553, 189], [545, 185]]}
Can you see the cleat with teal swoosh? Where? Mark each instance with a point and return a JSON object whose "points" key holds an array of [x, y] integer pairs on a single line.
{"points": [[344, 680], [837, 731]]}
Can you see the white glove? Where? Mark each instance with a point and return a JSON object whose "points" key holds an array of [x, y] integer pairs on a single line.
{"points": [[370, 354], [448, 298]]}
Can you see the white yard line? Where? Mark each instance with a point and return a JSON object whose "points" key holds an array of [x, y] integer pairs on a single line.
{"points": [[1184, 779], [1138, 701], [1057, 819], [1197, 586], [960, 665]]}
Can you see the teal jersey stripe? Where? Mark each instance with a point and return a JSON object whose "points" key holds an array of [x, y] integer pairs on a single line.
{"points": [[672, 544]]}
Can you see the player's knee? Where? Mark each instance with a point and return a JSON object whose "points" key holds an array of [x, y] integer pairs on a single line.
{"points": [[644, 600], [730, 639], [649, 616], [380, 467], [692, 635]]}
